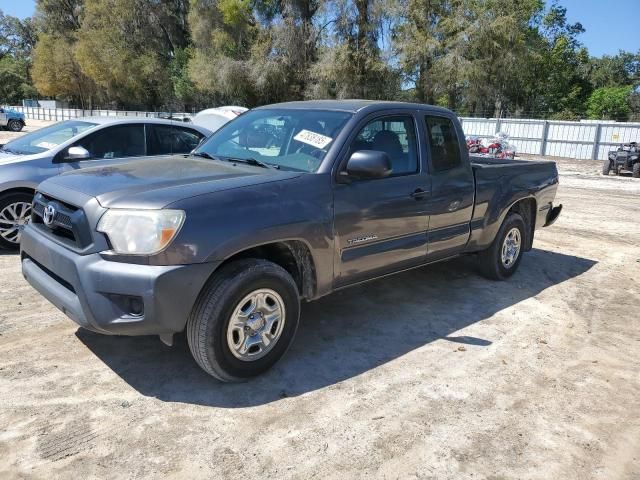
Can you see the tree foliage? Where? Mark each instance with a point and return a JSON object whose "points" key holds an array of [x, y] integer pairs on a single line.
{"points": [[608, 103], [17, 39], [478, 57]]}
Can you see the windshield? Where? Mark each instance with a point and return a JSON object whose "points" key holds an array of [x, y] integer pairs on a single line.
{"points": [[47, 138], [285, 138]]}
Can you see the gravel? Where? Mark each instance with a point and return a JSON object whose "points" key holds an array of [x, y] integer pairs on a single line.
{"points": [[433, 373]]}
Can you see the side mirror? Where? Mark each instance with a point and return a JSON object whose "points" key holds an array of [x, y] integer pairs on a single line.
{"points": [[369, 164], [77, 153]]}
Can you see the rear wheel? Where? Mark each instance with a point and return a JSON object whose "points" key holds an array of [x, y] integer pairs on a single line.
{"points": [[15, 125], [606, 167], [15, 213], [636, 170], [244, 320], [502, 258]]}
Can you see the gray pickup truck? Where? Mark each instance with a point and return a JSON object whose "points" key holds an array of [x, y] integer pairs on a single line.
{"points": [[287, 202]]}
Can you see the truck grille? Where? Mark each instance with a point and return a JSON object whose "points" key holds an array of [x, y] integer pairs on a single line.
{"points": [[66, 222]]}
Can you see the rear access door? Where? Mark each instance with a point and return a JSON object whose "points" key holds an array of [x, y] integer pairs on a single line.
{"points": [[450, 206]]}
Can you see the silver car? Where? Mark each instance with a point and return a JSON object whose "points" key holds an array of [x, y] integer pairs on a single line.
{"points": [[73, 144]]}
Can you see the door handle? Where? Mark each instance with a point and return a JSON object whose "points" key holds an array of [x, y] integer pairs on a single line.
{"points": [[453, 206], [418, 194]]}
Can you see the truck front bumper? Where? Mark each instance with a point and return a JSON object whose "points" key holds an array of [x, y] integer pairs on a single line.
{"points": [[112, 297]]}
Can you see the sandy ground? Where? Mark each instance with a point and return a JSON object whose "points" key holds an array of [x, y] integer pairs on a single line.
{"points": [[431, 374]]}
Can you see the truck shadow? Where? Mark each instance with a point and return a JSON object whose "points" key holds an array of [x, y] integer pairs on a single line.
{"points": [[345, 334]]}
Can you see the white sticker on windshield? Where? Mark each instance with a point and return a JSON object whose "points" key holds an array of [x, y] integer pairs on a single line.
{"points": [[314, 139]]}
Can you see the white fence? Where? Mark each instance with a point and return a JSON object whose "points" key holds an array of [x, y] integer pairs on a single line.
{"points": [[58, 114], [582, 140]]}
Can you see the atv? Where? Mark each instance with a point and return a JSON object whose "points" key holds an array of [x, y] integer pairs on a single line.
{"points": [[625, 158]]}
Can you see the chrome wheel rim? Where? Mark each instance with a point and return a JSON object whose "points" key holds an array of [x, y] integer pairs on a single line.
{"points": [[511, 248], [13, 219], [256, 325]]}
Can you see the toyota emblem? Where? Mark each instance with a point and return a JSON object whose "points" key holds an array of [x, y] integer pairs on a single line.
{"points": [[49, 215]]}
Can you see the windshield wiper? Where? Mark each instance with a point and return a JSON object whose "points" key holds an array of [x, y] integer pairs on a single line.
{"points": [[203, 155], [253, 161], [248, 161]]}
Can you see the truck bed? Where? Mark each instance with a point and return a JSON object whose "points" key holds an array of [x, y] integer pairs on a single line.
{"points": [[502, 182], [481, 161]]}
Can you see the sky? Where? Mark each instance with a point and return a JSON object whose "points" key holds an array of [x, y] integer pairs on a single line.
{"points": [[611, 25]]}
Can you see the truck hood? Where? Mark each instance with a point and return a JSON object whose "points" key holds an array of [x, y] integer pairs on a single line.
{"points": [[154, 182]]}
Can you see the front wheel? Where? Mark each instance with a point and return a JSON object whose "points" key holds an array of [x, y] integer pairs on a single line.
{"points": [[606, 167], [244, 320], [15, 125], [636, 170], [15, 213], [502, 258]]}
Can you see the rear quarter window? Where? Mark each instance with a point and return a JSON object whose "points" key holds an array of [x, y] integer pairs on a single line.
{"points": [[444, 147]]}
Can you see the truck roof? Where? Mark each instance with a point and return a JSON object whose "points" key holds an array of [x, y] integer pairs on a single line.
{"points": [[352, 106]]}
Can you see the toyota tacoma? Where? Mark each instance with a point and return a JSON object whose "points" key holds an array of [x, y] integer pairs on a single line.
{"points": [[285, 203]]}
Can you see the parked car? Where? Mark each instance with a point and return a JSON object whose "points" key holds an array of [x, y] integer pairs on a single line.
{"points": [[226, 243], [625, 158], [214, 118], [11, 120], [178, 117], [73, 144]]}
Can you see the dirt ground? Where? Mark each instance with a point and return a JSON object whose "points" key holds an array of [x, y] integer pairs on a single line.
{"points": [[431, 374]]}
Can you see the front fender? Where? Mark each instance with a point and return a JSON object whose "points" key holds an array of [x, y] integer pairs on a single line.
{"points": [[222, 224]]}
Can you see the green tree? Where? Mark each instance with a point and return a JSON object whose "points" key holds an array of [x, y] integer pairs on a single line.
{"points": [[127, 48], [17, 39], [15, 83], [57, 74], [351, 64], [60, 17], [614, 71], [223, 33], [610, 103]]}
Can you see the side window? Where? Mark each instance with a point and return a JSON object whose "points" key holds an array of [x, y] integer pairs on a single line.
{"points": [[394, 135], [115, 142], [443, 143], [186, 139], [168, 139]]}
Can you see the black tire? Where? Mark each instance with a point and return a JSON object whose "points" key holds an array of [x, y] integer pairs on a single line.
{"points": [[606, 168], [490, 260], [15, 125], [207, 326], [636, 170], [14, 198]]}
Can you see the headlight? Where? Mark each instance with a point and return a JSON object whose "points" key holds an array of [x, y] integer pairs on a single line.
{"points": [[140, 232]]}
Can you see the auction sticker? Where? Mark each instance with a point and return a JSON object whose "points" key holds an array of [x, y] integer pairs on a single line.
{"points": [[314, 139]]}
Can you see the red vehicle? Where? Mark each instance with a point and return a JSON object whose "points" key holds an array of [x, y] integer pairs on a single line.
{"points": [[498, 147]]}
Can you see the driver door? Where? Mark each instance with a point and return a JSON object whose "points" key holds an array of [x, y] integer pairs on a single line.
{"points": [[381, 225]]}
